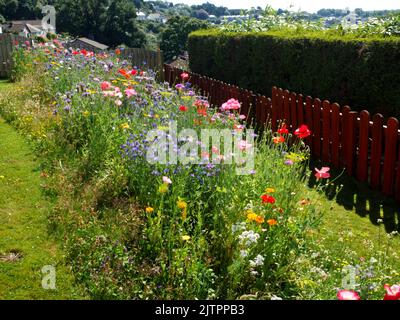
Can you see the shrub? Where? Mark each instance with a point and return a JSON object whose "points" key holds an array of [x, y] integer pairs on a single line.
{"points": [[363, 73]]}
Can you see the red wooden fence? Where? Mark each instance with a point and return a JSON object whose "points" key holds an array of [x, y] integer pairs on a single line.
{"points": [[368, 148]]}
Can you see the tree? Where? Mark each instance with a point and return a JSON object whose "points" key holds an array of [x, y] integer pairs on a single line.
{"points": [[120, 25], [201, 14], [175, 35]]}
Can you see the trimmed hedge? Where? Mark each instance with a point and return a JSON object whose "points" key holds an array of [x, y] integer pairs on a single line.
{"points": [[363, 73]]}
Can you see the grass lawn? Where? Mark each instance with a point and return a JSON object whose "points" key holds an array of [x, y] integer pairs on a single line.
{"points": [[25, 245], [359, 219]]}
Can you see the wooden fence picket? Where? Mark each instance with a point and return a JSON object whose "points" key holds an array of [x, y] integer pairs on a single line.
{"points": [[361, 144]]}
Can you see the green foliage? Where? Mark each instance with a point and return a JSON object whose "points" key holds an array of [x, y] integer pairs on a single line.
{"points": [[120, 26], [360, 72], [175, 35]]}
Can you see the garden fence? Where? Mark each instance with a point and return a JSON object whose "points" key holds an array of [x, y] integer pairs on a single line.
{"points": [[367, 146], [7, 42], [143, 58]]}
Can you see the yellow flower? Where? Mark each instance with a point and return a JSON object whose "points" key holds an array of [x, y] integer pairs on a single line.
{"points": [[270, 190], [186, 238], [85, 113], [251, 216], [156, 116], [2, 177], [149, 209], [124, 126], [163, 188], [181, 204]]}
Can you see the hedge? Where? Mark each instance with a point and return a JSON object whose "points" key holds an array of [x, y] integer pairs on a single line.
{"points": [[362, 73]]}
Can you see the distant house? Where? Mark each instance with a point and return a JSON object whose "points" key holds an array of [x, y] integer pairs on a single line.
{"points": [[24, 28], [156, 17], [141, 16], [87, 44], [352, 20]]}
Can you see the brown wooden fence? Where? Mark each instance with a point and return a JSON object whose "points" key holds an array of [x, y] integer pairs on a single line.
{"points": [[368, 147], [144, 58], [7, 43]]}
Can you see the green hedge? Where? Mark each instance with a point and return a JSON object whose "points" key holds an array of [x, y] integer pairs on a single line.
{"points": [[363, 73]]}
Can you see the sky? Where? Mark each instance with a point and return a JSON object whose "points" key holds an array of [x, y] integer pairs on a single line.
{"points": [[306, 5]]}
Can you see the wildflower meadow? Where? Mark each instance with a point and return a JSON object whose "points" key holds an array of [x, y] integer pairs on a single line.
{"points": [[159, 195]]}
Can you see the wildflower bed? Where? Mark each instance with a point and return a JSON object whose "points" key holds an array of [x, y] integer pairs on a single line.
{"points": [[137, 227]]}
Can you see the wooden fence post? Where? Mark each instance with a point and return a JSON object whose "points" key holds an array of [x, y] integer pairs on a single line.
{"points": [[391, 142], [362, 163]]}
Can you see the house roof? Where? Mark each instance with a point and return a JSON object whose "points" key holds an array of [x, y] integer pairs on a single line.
{"points": [[36, 23], [15, 28], [93, 43], [154, 16], [33, 29]]}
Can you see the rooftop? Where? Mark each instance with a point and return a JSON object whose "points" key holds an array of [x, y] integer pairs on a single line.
{"points": [[93, 43]]}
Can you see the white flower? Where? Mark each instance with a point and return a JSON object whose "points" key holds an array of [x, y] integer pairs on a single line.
{"points": [[274, 297], [258, 261], [243, 253], [249, 237]]}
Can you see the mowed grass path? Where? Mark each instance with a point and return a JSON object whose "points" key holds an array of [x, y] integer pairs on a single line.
{"points": [[25, 245]]}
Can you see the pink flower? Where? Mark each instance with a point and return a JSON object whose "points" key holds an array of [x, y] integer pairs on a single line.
{"points": [[392, 293], [105, 85], [322, 173], [215, 150], [348, 295], [205, 155], [109, 93], [130, 92], [118, 102], [242, 117], [231, 104], [166, 180], [185, 76], [244, 145]]}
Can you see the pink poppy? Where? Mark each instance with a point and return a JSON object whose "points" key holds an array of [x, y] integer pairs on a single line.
{"points": [[105, 85], [348, 295], [130, 92], [185, 76], [244, 145], [231, 104], [166, 180], [322, 173]]}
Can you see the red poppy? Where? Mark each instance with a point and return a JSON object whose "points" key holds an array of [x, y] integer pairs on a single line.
{"points": [[392, 292], [133, 72], [302, 132], [84, 52], [124, 73], [202, 111], [283, 130], [117, 51], [183, 108], [267, 199]]}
